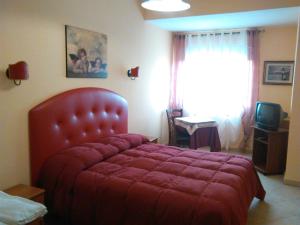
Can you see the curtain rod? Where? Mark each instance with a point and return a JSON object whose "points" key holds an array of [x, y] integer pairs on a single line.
{"points": [[218, 32]]}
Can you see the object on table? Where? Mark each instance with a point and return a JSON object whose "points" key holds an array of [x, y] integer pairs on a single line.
{"points": [[17, 210], [152, 139]]}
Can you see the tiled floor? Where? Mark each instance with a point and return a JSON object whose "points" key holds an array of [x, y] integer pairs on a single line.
{"points": [[280, 207]]}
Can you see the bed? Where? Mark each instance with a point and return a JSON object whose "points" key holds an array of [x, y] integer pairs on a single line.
{"points": [[96, 173]]}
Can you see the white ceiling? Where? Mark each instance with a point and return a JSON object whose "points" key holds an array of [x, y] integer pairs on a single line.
{"points": [[260, 18]]}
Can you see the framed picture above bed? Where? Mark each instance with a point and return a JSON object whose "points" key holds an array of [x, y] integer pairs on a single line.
{"points": [[86, 53], [278, 72]]}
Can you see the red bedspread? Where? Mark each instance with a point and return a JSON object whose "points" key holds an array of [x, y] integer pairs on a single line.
{"points": [[124, 180]]}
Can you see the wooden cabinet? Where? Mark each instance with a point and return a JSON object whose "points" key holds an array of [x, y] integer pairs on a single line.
{"points": [[32, 193], [269, 150]]}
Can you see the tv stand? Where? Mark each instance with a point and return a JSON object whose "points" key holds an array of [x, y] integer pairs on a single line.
{"points": [[269, 150]]}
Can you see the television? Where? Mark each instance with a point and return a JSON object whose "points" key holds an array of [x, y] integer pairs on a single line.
{"points": [[269, 115]]}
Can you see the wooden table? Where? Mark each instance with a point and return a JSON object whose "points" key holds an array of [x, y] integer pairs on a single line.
{"points": [[29, 192], [203, 132]]}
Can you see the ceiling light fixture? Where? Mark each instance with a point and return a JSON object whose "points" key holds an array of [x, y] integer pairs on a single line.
{"points": [[166, 5]]}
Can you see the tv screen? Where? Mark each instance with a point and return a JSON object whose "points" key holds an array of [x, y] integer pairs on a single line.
{"points": [[268, 115]]}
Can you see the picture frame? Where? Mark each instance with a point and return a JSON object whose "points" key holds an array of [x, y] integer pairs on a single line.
{"points": [[86, 53], [278, 72]]}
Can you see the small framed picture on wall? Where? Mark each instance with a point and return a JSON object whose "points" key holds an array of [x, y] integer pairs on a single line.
{"points": [[278, 72], [86, 53]]}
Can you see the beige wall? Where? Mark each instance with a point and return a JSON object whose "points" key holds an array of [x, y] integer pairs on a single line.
{"points": [[33, 31], [277, 44], [292, 174], [204, 7]]}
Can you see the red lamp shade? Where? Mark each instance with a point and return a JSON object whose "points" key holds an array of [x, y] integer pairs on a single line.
{"points": [[133, 72], [18, 71]]}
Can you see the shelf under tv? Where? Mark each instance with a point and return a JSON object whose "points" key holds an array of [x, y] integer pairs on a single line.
{"points": [[261, 168], [262, 140], [269, 150]]}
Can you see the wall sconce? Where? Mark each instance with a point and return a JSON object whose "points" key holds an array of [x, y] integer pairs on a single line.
{"points": [[17, 72], [133, 73]]}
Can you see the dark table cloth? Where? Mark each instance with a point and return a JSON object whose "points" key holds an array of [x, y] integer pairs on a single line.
{"points": [[206, 136]]}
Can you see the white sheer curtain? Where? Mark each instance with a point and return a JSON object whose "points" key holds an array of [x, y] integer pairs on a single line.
{"points": [[215, 80]]}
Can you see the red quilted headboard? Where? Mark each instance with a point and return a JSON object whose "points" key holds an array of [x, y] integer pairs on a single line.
{"points": [[73, 117]]}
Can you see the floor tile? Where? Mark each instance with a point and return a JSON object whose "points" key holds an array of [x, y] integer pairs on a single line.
{"points": [[280, 207]]}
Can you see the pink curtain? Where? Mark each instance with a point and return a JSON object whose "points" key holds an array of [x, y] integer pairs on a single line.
{"points": [[253, 57], [178, 56]]}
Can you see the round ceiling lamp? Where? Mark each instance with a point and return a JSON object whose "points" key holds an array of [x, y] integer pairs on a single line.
{"points": [[166, 5]]}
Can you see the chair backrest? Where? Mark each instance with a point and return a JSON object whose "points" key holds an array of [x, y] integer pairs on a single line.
{"points": [[171, 114]]}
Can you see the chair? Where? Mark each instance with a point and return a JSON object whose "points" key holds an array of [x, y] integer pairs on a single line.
{"points": [[178, 136]]}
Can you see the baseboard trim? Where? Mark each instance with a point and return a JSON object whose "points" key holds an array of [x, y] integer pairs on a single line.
{"points": [[291, 182]]}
